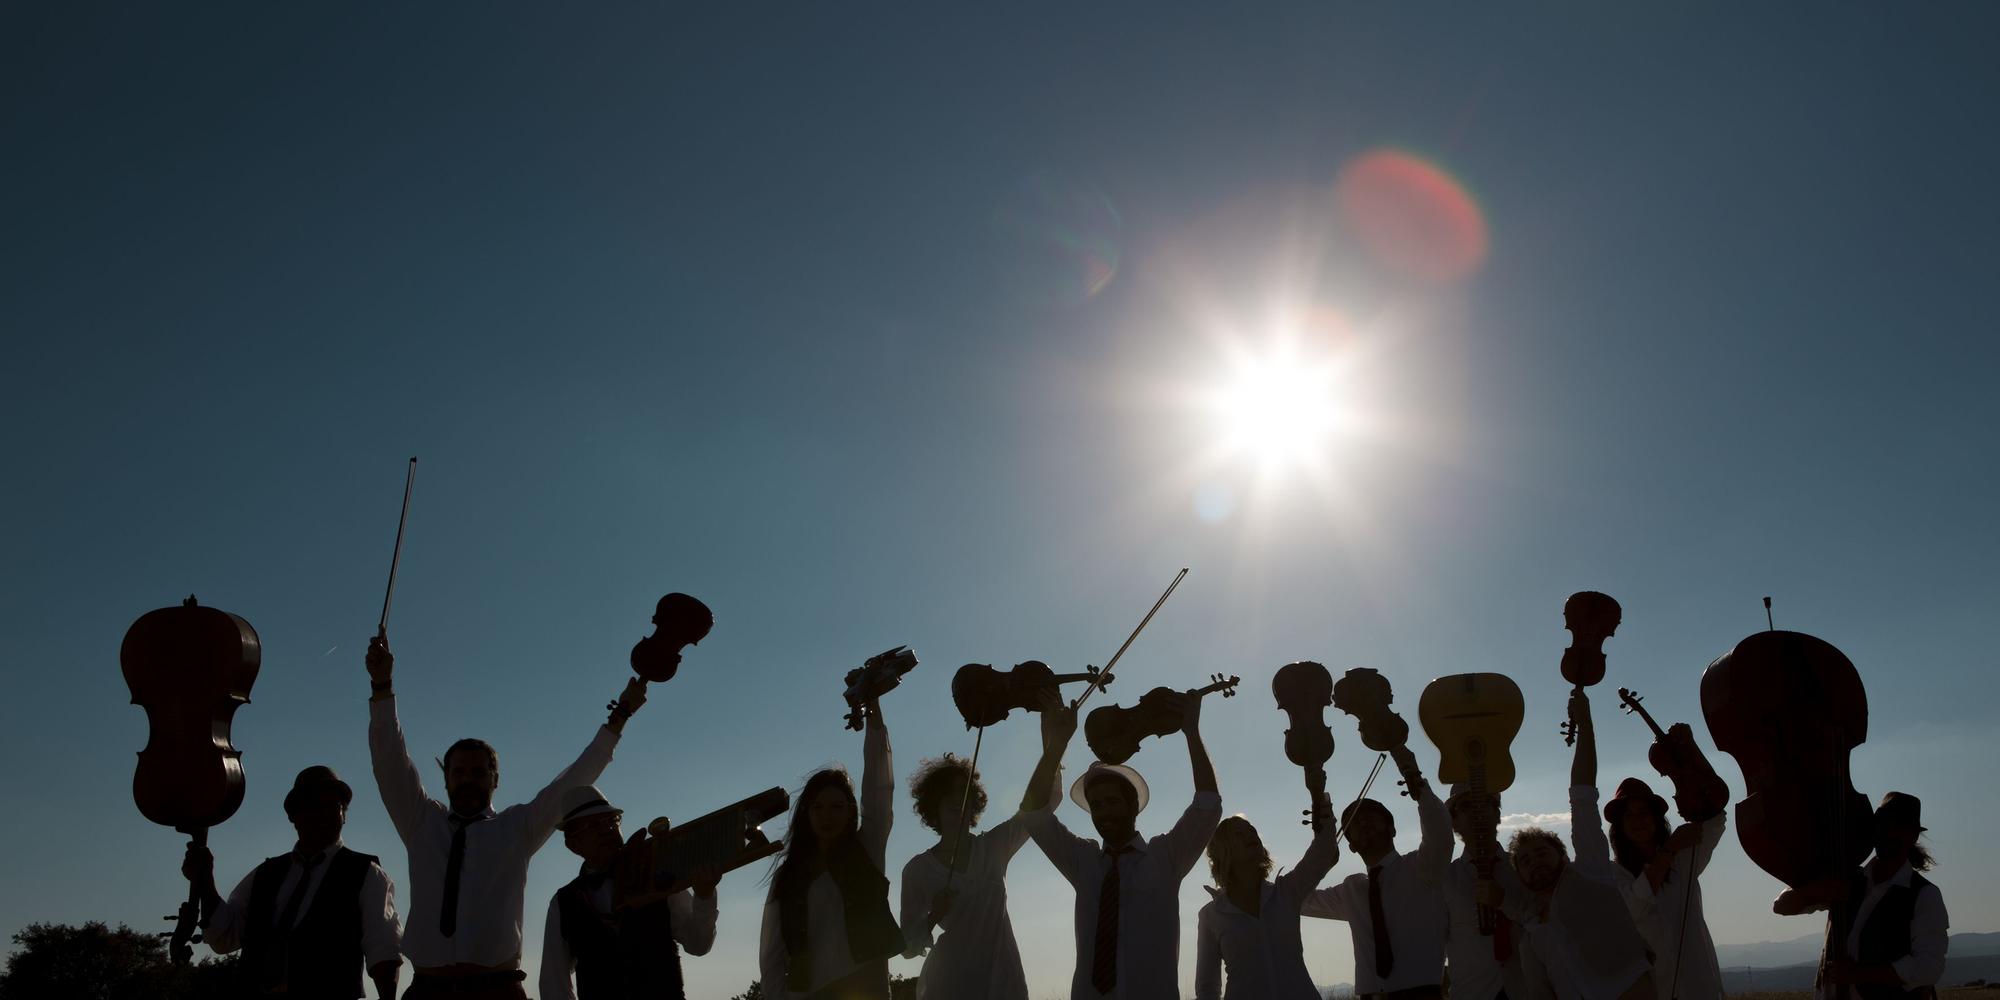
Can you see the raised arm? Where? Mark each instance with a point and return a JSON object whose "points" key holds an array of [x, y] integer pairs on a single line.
{"points": [[1058, 728], [1583, 768], [1204, 772], [1433, 819], [878, 786], [545, 809], [1319, 857], [396, 777]]}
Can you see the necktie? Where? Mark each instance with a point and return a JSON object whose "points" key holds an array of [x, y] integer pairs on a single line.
{"points": [[290, 914], [1104, 963], [1385, 957], [448, 913]]}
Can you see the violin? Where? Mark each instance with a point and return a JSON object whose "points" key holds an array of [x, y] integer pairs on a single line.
{"points": [[1472, 718], [1364, 693], [679, 621], [1699, 793], [1114, 733], [1304, 690], [1790, 708], [1591, 618], [875, 677], [189, 667], [985, 696]]}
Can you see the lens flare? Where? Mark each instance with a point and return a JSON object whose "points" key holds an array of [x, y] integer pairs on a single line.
{"points": [[1061, 239], [1411, 216]]}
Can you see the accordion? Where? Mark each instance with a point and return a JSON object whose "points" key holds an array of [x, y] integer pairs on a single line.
{"points": [[728, 838]]}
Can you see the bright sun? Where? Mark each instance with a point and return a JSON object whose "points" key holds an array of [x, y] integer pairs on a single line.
{"points": [[1279, 410]]}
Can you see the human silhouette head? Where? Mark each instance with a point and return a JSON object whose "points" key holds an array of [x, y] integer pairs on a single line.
{"points": [[471, 774], [1539, 858], [317, 806], [1370, 830], [1235, 852], [590, 827], [939, 791]]}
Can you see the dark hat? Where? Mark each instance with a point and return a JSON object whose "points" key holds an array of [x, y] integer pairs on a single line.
{"points": [[314, 779], [1629, 791], [1901, 808]]}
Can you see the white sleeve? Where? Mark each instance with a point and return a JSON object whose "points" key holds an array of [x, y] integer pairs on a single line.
{"points": [[878, 791], [1069, 853], [544, 811], [381, 938], [1586, 827], [1327, 904], [916, 910], [771, 952], [403, 795], [1207, 957], [224, 931], [1924, 965], [1189, 837], [1711, 838], [694, 920], [556, 959]]}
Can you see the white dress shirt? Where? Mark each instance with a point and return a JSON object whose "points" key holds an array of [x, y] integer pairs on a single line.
{"points": [[1587, 940], [379, 937], [1149, 910], [693, 920], [1672, 922], [1263, 954], [1475, 973], [1412, 906], [493, 878], [976, 958], [826, 919], [1929, 933]]}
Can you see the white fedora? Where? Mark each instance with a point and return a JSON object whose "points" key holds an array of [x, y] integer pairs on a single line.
{"points": [[1098, 767], [581, 801]]}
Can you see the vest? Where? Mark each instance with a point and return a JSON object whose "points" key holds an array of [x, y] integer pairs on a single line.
{"points": [[322, 956], [622, 956], [864, 900], [1884, 938]]}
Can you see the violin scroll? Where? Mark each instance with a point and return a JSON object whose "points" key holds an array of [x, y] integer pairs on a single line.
{"points": [[875, 677]]}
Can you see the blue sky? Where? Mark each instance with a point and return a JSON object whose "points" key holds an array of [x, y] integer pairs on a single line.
{"points": [[736, 302]]}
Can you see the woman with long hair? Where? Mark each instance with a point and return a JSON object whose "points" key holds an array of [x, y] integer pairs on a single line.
{"points": [[828, 932], [975, 957], [1664, 892], [1251, 926]]}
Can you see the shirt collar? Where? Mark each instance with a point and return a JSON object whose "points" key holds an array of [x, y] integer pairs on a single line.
{"points": [[1902, 877], [324, 853], [1383, 861], [1137, 845], [484, 814]]}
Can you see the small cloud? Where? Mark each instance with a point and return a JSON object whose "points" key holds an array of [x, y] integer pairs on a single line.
{"points": [[1516, 821]]}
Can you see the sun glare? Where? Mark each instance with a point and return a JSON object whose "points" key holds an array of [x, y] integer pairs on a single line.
{"points": [[1279, 410]]}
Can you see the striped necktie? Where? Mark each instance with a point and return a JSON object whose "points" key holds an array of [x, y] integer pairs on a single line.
{"points": [[1104, 963]]}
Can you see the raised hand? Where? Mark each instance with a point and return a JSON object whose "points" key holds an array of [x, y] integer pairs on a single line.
{"points": [[705, 879], [381, 662]]}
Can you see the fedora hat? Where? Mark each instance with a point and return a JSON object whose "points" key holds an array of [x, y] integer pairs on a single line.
{"points": [[1629, 791], [581, 801], [1097, 768], [314, 779], [1902, 808]]}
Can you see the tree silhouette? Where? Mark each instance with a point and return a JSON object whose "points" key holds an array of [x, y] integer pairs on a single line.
{"points": [[96, 962]]}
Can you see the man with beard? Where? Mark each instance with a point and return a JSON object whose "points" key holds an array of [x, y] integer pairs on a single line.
{"points": [[1128, 921], [633, 954], [1887, 932], [1486, 966], [468, 863], [1394, 912], [311, 920], [1582, 931]]}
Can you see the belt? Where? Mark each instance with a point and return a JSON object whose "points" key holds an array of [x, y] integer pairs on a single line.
{"points": [[436, 983]]}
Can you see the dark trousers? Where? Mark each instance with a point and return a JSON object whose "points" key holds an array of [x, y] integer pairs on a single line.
{"points": [[495, 986]]}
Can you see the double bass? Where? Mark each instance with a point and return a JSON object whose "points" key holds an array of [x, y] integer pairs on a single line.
{"points": [[190, 667], [1790, 708]]}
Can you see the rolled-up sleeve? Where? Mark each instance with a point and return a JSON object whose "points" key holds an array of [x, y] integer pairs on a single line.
{"points": [[1189, 837], [381, 935], [694, 921], [224, 930], [1929, 927], [1329, 903], [556, 959], [1068, 852]]}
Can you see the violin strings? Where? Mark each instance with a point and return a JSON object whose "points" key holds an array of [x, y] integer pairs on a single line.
{"points": [[971, 775]]}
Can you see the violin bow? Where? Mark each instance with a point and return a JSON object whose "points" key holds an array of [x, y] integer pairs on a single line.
{"points": [[971, 773], [396, 558], [1363, 793], [1098, 681]]}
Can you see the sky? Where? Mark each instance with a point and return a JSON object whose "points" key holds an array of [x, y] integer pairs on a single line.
{"points": [[873, 325]]}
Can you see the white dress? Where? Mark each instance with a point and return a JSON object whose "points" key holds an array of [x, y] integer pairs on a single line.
{"points": [[1684, 963], [976, 956]]}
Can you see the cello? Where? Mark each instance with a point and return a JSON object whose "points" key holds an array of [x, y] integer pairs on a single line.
{"points": [[190, 667], [1472, 718]]}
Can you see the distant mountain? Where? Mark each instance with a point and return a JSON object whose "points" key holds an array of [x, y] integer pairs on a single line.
{"points": [[1770, 954], [1969, 957]]}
